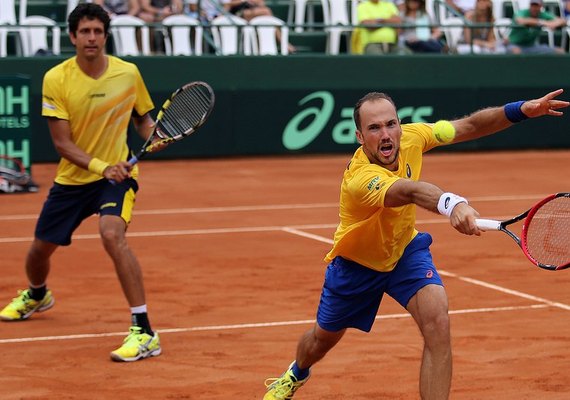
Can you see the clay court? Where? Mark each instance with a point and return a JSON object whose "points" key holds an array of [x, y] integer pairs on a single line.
{"points": [[232, 256]]}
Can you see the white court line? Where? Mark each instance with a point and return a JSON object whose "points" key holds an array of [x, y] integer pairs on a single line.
{"points": [[450, 274], [198, 210], [505, 290], [253, 325], [210, 231]]}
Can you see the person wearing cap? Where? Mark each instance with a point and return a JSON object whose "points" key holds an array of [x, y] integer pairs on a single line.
{"points": [[524, 38]]}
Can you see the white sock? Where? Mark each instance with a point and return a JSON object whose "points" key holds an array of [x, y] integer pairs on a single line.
{"points": [[138, 309]]}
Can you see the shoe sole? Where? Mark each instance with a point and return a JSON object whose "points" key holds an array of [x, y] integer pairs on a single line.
{"points": [[148, 354], [29, 314]]}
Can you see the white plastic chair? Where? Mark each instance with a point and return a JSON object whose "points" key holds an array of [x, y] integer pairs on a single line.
{"points": [[453, 31], [301, 12], [8, 11], [9, 21], [71, 4], [34, 32], [264, 36], [123, 29], [3, 41], [337, 20], [182, 35], [502, 28], [231, 35]]}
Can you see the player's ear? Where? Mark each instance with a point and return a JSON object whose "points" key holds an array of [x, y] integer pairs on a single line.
{"points": [[359, 136]]}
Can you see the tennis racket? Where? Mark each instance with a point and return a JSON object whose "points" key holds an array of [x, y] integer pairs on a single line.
{"points": [[545, 236], [181, 115]]}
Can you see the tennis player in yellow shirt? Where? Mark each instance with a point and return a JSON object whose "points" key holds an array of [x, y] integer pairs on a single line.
{"points": [[376, 247], [88, 101]]}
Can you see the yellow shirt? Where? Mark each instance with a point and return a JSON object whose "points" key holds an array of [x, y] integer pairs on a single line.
{"points": [[380, 10], [369, 233], [98, 111]]}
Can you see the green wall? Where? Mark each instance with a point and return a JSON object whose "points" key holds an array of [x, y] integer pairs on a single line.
{"points": [[303, 104]]}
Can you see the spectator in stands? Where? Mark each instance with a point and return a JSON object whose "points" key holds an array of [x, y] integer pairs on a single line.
{"points": [[153, 11], [566, 9], [374, 38], [120, 7], [249, 9], [525, 37], [481, 39], [422, 38]]}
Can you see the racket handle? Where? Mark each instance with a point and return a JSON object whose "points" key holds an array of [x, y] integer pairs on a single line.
{"points": [[488, 224], [132, 161]]}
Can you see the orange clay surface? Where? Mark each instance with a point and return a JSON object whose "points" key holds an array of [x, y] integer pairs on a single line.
{"points": [[232, 257]]}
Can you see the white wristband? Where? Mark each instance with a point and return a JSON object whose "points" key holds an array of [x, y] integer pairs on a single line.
{"points": [[447, 203]]}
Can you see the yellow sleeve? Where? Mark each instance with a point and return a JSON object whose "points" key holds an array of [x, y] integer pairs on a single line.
{"points": [[143, 102], [53, 103], [422, 133]]}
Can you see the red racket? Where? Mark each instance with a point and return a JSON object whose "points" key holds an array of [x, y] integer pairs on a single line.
{"points": [[545, 236]]}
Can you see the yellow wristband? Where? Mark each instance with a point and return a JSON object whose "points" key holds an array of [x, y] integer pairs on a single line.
{"points": [[97, 166]]}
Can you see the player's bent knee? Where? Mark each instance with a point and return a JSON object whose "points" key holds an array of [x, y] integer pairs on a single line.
{"points": [[112, 237], [436, 331]]}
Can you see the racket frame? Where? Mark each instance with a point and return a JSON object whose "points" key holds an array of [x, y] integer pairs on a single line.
{"points": [[490, 224], [524, 234], [151, 143]]}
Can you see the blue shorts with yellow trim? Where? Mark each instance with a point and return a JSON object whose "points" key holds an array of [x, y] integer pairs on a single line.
{"points": [[68, 205], [352, 293]]}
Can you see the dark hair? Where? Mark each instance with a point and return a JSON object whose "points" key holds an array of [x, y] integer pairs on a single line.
{"points": [[372, 96], [90, 11], [421, 8]]}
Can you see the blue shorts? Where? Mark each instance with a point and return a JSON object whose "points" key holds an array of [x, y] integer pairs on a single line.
{"points": [[352, 293], [68, 205]]}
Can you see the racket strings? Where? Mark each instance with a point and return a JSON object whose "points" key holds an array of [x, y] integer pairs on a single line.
{"points": [[548, 234], [186, 111]]}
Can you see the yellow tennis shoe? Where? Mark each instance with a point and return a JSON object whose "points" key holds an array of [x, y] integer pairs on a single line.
{"points": [[284, 387], [23, 306], [137, 345]]}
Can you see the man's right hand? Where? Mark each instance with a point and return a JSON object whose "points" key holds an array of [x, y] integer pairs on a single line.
{"points": [[463, 219], [118, 172]]}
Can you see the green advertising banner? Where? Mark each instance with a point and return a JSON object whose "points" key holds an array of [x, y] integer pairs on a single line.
{"points": [[303, 104], [15, 121], [261, 122]]}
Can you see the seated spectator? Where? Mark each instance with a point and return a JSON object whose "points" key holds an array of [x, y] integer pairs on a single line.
{"points": [[153, 11], [482, 39], [249, 9], [209, 9], [120, 7], [566, 9], [524, 38], [372, 38], [422, 38]]}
